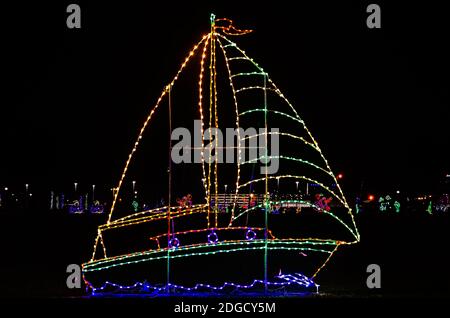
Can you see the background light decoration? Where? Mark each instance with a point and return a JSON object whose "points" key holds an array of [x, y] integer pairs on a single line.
{"points": [[397, 206], [250, 238], [430, 208], [387, 203]]}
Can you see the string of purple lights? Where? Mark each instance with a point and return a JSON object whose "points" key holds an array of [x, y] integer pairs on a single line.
{"points": [[287, 280]]}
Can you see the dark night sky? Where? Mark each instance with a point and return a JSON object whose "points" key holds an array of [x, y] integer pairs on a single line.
{"points": [[72, 101]]}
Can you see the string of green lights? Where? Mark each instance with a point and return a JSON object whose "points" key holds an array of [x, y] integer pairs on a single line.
{"points": [[220, 248]]}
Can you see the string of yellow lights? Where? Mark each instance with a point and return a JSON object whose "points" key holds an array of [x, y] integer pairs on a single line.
{"points": [[155, 212], [202, 126], [326, 261], [216, 124], [211, 107], [233, 90]]}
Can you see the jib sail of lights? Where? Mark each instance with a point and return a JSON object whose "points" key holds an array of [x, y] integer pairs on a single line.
{"points": [[305, 162]]}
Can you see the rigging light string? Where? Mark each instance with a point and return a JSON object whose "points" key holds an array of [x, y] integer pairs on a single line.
{"points": [[202, 128], [266, 188], [216, 124], [211, 106], [237, 129], [169, 89]]}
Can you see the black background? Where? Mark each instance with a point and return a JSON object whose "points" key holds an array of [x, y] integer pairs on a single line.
{"points": [[377, 101], [73, 100]]}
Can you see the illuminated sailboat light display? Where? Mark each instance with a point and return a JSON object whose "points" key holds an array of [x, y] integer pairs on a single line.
{"points": [[254, 238]]}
